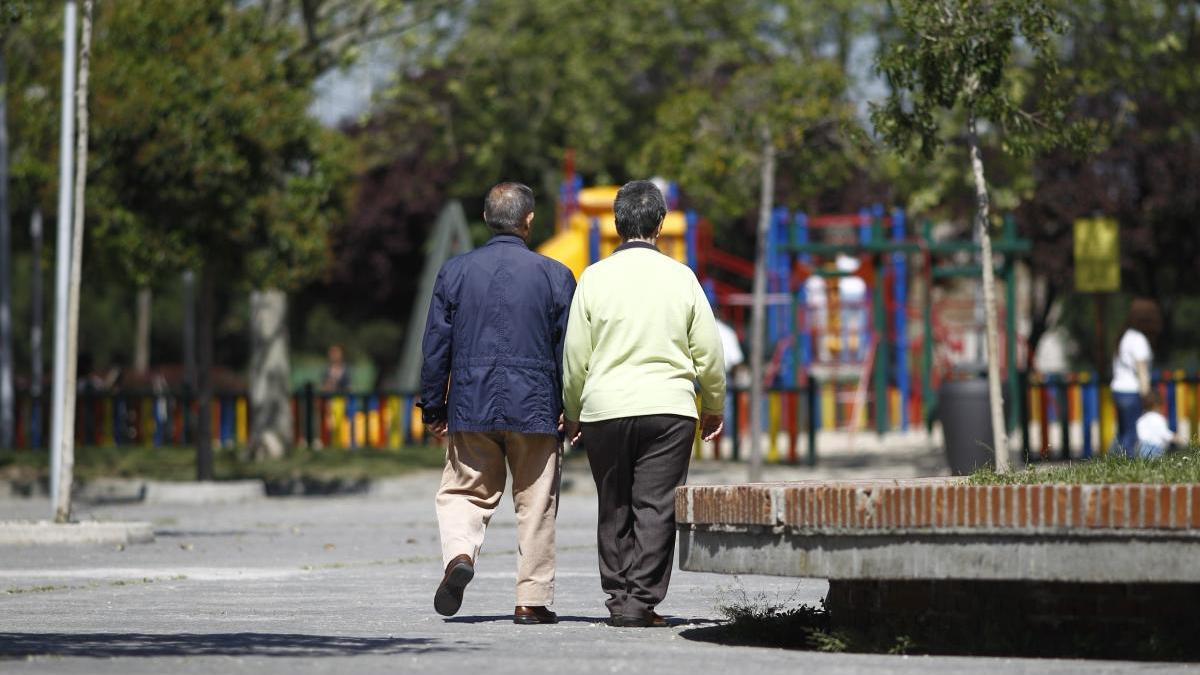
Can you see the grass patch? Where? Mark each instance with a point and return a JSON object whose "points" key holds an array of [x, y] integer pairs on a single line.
{"points": [[179, 463], [1176, 467]]}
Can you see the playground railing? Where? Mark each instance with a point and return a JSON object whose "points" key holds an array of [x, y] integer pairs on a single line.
{"points": [[338, 420], [1072, 416], [1061, 416]]}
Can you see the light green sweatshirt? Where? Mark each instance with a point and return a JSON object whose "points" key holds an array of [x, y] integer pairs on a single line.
{"points": [[639, 336]]}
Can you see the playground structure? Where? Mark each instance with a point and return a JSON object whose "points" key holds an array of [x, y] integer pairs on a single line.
{"points": [[841, 310], [858, 338], [587, 229]]}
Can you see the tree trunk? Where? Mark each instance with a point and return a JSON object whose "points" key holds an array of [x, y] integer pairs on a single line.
{"points": [[141, 346], [6, 354], [62, 509], [758, 347], [270, 376], [995, 396], [204, 389]]}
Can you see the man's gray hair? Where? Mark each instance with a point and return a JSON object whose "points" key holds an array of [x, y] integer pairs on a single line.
{"points": [[507, 206], [639, 208]]}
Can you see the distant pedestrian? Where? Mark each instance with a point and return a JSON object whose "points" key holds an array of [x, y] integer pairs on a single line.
{"points": [[640, 338], [337, 373], [1154, 436], [1131, 370], [491, 378]]}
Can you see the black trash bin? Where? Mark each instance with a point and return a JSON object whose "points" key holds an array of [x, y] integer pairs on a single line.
{"points": [[966, 424]]}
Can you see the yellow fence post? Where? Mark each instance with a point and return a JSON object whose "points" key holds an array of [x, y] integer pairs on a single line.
{"points": [[243, 422], [774, 413], [1107, 420], [395, 422]]}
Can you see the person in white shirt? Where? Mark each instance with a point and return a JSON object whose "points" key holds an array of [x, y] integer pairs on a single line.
{"points": [[1131, 371], [1154, 437]]}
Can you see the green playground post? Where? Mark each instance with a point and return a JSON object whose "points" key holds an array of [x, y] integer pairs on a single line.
{"points": [[881, 326], [927, 346], [1010, 323]]}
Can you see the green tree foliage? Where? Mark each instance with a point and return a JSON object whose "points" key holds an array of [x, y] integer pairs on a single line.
{"points": [[204, 154], [708, 135], [515, 84], [1134, 65], [962, 55], [954, 56]]}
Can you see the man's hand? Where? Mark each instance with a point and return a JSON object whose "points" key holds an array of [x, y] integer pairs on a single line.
{"points": [[711, 425], [438, 429], [572, 431]]}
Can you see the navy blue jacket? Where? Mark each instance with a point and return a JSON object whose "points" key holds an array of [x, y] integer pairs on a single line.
{"points": [[494, 339]]}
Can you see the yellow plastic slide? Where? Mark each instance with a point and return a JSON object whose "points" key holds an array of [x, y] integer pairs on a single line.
{"points": [[569, 247]]}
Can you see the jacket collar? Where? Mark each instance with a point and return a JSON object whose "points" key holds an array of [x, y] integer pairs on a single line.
{"points": [[635, 244], [506, 238]]}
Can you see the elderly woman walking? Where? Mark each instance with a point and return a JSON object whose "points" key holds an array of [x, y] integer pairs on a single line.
{"points": [[640, 338]]}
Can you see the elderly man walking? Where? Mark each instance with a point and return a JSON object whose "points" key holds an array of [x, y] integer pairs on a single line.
{"points": [[491, 378], [640, 338]]}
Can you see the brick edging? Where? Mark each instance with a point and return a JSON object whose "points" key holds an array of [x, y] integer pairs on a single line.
{"points": [[941, 504]]}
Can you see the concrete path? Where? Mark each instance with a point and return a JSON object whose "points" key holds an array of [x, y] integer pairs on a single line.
{"points": [[345, 585]]}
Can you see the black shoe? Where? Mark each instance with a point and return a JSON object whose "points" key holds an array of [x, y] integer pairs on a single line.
{"points": [[449, 594], [529, 615], [650, 620]]}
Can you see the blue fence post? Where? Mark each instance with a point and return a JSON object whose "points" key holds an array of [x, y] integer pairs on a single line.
{"points": [[900, 293], [780, 273], [594, 241], [1172, 404], [228, 421], [352, 419], [804, 339], [692, 239], [1089, 401]]}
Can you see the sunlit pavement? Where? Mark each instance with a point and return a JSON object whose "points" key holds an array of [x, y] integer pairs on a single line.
{"points": [[346, 585]]}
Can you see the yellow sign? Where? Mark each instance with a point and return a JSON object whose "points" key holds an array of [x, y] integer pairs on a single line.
{"points": [[1097, 255]]}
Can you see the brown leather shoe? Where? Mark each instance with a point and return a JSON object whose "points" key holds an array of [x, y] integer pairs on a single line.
{"points": [[533, 614], [449, 595], [650, 620]]}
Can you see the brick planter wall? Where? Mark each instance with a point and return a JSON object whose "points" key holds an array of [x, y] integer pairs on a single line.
{"points": [[943, 505], [1115, 566]]}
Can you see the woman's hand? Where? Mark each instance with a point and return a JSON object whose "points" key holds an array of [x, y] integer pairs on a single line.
{"points": [[572, 430], [711, 425]]}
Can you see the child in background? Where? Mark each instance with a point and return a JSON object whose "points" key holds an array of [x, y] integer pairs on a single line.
{"points": [[1153, 435]]}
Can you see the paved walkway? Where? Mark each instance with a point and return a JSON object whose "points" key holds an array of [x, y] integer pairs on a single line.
{"points": [[345, 585]]}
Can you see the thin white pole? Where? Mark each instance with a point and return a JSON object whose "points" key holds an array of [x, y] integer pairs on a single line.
{"points": [[62, 511], [62, 260]]}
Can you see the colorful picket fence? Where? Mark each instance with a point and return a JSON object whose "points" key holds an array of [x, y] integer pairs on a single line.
{"points": [[1072, 415], [1061, 416], [340, 420]]}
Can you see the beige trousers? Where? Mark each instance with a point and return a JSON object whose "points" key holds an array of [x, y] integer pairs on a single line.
{"points": [[472, 484]]}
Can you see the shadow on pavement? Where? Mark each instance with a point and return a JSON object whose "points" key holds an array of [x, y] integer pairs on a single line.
{"points": [[498, 618], [208, 644]]}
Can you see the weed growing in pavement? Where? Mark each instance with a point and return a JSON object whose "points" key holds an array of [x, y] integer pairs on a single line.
{"points": [[35, 589], [787, 623]]}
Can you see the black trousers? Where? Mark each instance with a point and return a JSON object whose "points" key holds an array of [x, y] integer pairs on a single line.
{"points": [[637, 463]]}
